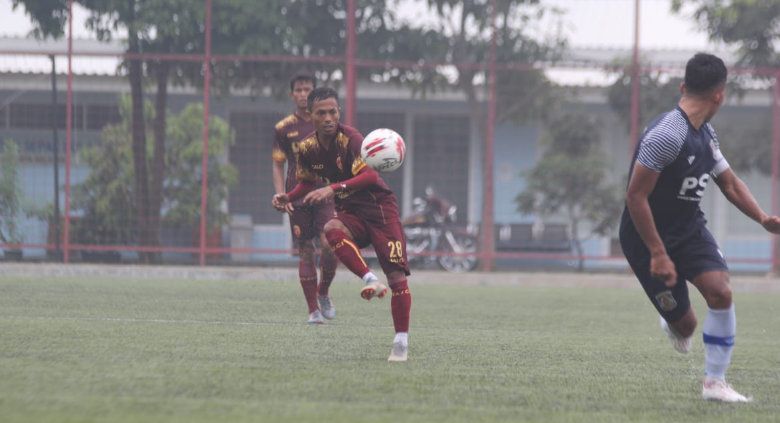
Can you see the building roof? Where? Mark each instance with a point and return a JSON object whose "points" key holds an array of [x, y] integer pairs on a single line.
{"points": [[580, 66]]}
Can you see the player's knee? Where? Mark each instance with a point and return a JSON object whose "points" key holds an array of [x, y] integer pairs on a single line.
{"points": [[397, 280], [686, 325], [333, 225], [306, 250], [719, 297]]}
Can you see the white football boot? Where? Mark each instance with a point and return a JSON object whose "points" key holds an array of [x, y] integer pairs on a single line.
{"points": [[399, 352], [327, 307], [373, 289], [719, 390], [315, 318], [681, 345]]}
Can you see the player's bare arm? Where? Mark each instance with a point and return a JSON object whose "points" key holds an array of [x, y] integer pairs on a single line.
{"points": [[640, 186], [278, 177], [739, 194], [363, 179], [319, 196]]}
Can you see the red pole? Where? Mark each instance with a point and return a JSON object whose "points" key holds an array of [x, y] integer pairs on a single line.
{"points": [[68, 138], [488, 243], [349, 119], [776, 169], [635, 75], [204, 166]]}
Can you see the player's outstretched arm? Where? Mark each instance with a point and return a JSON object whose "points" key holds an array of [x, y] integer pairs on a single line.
{"points": [[282, 202], [640, 186], [738, 193]]}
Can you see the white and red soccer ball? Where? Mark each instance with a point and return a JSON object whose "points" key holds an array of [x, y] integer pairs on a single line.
{"points": [[383, 150]]}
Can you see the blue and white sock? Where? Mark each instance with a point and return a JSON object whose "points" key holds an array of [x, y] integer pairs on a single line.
{"points": [[720, 327]]}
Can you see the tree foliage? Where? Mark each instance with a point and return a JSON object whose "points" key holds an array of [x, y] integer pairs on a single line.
{"points": [[10, 193], [106, 196], [570, 180], [658, 93], [753, 26], [461, 35]]}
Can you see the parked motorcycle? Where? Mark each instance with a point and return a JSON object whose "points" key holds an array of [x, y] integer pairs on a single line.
{"points": [[433, 236]]}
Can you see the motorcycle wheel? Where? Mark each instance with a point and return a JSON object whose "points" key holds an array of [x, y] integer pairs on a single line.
{"points": [[464, 244]]}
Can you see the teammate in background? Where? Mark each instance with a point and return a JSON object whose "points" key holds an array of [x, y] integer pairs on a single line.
{"points": [[367, 211], [663, 231], [306, 221]]}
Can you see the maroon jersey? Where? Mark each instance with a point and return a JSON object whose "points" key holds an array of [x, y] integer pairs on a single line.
{"points": [[287, 133], [339, 162]]}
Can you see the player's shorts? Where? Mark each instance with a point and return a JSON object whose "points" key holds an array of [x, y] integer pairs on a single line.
{"points": [[693, 256], [306, 222], [385, 234]]}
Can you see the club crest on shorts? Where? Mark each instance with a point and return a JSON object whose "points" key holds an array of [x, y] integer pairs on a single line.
{"points": [[666, 301], [297, 231]]}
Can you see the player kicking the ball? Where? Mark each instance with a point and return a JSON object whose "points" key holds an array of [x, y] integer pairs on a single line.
{"points": [[366, 209], [663, 231]]}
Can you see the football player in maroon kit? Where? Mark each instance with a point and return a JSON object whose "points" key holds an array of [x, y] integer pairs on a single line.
{"points": [[306, 220], [366, 209]]}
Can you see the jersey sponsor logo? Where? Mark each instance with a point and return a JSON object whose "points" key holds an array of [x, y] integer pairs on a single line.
{"points": [[716, 154], [292, 134], [318, 166], [693, 183], [666, 301]]}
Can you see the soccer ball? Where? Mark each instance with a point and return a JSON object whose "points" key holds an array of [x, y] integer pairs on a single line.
{"points": [[383, 150]]}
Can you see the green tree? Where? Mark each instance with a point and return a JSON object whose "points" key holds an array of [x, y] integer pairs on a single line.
{"points": [[10, 194], [461, 35], [750, 25], [106, 196], [657, 93], [570, 180]]}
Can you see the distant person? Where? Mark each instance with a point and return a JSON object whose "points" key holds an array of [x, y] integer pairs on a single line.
{"points": [[367, 210], [663, 232], [306, 220]]}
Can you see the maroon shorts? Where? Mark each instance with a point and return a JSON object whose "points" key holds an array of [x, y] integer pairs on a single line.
{"points": [[306, 222], [382, 230]]}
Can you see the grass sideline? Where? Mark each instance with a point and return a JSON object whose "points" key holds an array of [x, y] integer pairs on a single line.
{"points": [[175, 350]]}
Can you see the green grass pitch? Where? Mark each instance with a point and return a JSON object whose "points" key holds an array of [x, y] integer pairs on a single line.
{"points": [[133, 350]]}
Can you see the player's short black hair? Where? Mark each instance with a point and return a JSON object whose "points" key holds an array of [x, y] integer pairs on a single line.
{"points": [[319, 94], [302, 77], [704, 72]]}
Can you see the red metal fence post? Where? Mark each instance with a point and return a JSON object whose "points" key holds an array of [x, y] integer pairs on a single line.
{"points": [[350, 76], [635, 83], [776, 169], [488, 242], [204, 166], [68, 138]]}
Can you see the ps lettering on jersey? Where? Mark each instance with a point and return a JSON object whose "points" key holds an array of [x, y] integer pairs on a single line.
{"points": [[690, 183]]}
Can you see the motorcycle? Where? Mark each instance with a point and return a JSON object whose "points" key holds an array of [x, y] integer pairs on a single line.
{"points": [[432, 235]]}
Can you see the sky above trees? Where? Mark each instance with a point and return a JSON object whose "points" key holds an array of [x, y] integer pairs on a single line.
{"points": [[607, 23]]}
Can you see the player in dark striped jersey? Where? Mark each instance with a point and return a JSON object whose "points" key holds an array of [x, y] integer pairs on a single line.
{"points": [[306, 221], [663, 232]]}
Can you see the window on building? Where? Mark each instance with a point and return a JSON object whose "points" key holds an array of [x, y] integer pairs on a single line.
{"points": [[100, 115], [441, 158], [251, 155], [41, 116]]}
